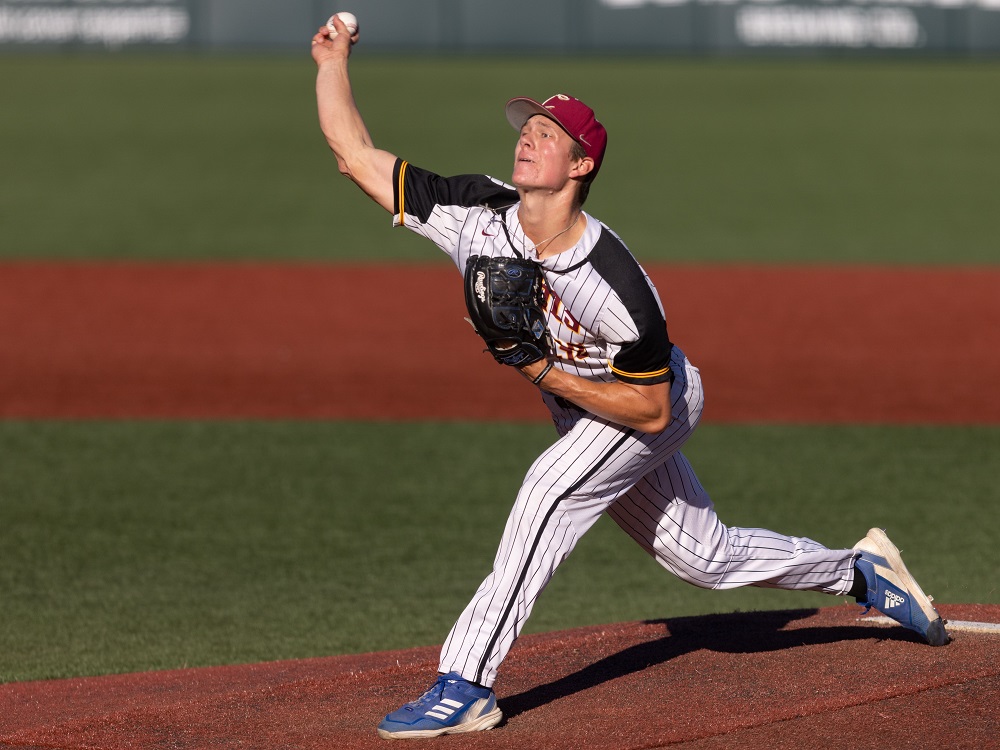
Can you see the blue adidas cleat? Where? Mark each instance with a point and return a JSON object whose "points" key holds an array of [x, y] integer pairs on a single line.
{"points": [[453, 705], [893, 591]]}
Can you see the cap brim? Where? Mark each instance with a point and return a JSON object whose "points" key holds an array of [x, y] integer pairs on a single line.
{"points": [[522, 109]]}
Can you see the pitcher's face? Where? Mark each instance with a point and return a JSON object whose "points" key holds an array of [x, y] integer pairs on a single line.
{"points": [[542, 155]]}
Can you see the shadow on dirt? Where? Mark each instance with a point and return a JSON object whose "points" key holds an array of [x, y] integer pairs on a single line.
{"points": [[737, 633]]}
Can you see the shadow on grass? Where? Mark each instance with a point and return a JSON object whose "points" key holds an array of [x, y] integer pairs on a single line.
{"points": [[737, 633]]}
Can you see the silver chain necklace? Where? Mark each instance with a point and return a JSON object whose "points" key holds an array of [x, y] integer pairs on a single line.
{"points": [[543, 242]]}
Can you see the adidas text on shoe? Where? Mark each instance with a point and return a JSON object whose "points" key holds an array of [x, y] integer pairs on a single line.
{"points": [[894, 592], [453, 705]]}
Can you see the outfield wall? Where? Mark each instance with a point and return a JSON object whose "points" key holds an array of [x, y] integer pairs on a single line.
{"points": [[685, 27]]}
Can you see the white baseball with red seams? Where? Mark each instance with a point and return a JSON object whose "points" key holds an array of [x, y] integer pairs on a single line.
{"points": [[348, 19]]}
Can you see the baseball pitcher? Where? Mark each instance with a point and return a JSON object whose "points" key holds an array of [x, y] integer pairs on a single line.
{"points": [[560, 300]]}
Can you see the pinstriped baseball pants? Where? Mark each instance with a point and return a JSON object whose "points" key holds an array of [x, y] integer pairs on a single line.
{"points": [[649, 489]]}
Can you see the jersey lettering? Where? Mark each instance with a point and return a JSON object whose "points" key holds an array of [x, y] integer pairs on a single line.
{"points": [[554, 307], [571, 351]]}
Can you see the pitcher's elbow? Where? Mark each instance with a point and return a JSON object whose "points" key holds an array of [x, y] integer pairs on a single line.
{"points": [[656, 424], [343, 167]]}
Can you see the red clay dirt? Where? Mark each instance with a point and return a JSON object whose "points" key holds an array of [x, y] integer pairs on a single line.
{"points": [[847, 345], [802, 344], [790, 679]]}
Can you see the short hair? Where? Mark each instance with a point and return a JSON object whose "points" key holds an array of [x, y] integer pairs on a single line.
{"points": [[576, 152]]}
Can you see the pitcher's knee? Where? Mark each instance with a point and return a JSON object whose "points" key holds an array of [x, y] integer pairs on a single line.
{"points": [[710, 577]]}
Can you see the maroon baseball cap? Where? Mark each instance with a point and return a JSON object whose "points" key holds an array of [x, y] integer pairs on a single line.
{"points": [[572, 115]]}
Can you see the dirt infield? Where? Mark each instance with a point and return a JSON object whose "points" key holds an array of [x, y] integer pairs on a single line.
{"points": [[792, 679], [847, 345]]}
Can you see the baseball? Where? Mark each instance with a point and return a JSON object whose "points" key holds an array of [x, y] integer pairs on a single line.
{"points": [[348, 19]]}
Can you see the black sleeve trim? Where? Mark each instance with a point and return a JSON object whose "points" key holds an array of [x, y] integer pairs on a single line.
{"points": [[398, 175], [645, 361], [417, 191]]}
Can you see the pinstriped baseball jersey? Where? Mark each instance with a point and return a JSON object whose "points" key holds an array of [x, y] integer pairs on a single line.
{"points": [[608, 323], [602, 310]]}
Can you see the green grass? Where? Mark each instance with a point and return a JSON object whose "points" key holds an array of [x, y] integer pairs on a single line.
{"points": [[131, 546], [140, 545], [221, 158]]}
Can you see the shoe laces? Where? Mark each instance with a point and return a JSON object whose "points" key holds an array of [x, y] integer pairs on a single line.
{"points": [[433, 694]]}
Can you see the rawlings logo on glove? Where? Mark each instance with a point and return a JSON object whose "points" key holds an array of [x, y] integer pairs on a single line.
{"points": [[480, 286], [504, 299]]}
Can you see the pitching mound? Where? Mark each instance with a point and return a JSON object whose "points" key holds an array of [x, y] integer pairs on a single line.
{"points": [[790, 679]]}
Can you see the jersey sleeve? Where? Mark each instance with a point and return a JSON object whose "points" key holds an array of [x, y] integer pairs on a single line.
{"points": [[634, 323], [437, 207], [645, 361]]}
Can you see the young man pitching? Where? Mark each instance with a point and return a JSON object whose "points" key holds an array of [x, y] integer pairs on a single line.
{"points": [[624, 398]]}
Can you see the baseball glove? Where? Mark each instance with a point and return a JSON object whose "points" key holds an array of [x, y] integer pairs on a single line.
{"points": [[504, 299]]}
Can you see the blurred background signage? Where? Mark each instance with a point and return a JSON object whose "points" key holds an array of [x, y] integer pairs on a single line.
{"points": [[110, 23], [691, 27]]}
